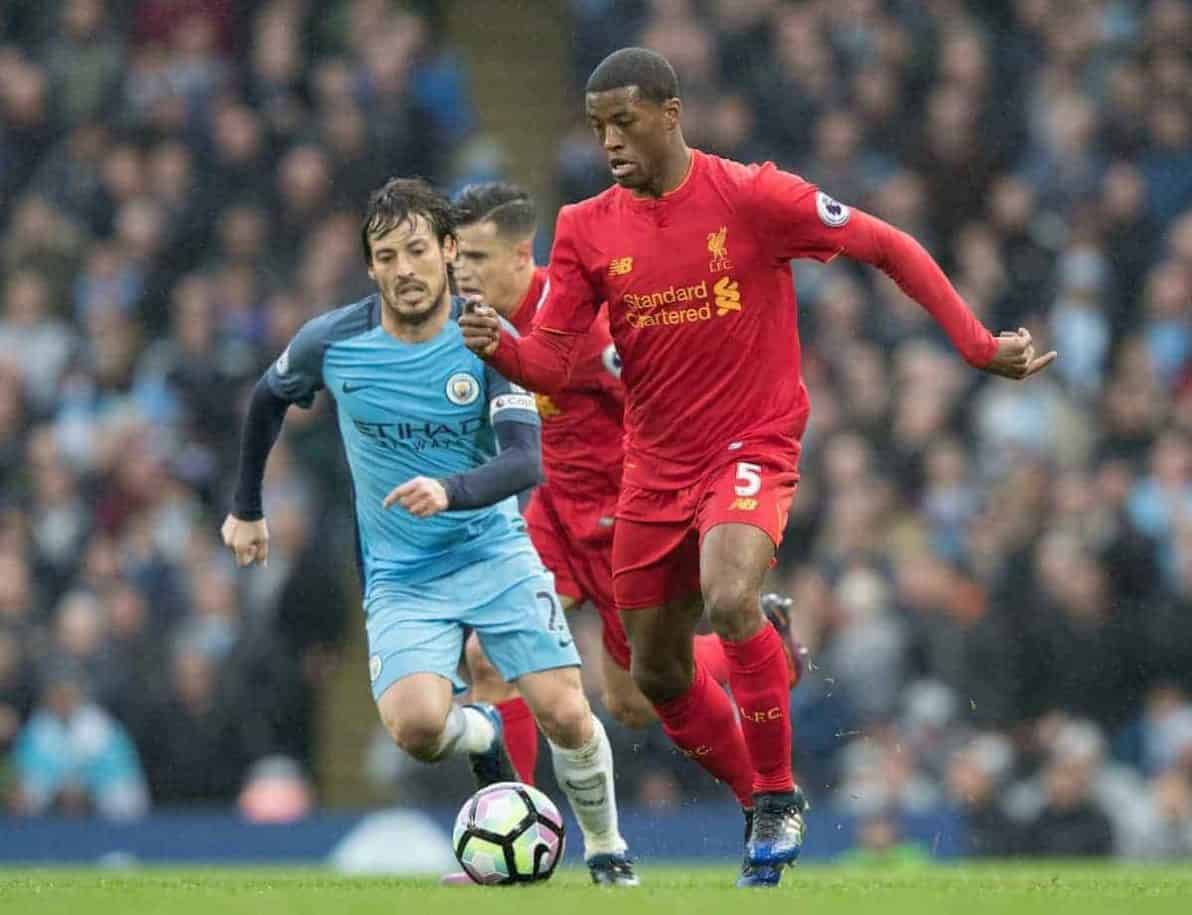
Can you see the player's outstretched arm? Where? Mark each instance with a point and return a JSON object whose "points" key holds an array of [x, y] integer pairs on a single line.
{"points": [[799, 220], [542, 361], [244, 530]]}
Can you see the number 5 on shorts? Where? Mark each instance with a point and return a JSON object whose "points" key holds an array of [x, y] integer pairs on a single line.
{"points": [[749, 479]]}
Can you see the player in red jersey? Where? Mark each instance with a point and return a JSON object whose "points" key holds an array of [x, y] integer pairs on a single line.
{"points": [[691, 252], [571, 516]]}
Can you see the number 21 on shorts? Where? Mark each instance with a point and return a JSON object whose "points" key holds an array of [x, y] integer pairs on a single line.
{"points": [[747, 484]]}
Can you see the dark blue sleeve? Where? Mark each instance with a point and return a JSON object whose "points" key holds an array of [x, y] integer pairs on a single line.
{"points": [[517, 468], [262, 424], [297, 375]]}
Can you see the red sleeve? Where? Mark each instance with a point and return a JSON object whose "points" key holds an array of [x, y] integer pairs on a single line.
{"points": [[544, 359], [541, 361], [572, 301], [802, 221]]}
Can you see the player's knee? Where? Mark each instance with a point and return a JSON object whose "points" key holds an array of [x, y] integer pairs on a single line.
{"points": [[630, 711], [418, 735], [567, 720], [733, 607]]}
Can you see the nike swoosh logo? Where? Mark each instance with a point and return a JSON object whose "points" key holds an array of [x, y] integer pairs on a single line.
{"points": [[349, 387]]}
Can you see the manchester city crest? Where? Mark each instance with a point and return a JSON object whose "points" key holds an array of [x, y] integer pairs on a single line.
{"points": [[462, 389]]}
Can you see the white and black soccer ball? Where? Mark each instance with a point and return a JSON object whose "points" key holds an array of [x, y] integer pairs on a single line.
{"points": [[508, 833]]}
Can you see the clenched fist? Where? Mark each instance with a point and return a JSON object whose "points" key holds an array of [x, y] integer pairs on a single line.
{"points": [[248, 540]]}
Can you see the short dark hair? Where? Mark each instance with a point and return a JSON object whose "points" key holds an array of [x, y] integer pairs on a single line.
{"points": [[509, 207], [652, 73], [399, 200]]}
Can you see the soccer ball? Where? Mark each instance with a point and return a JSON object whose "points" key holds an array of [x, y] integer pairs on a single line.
{"points": [[508, 833]]}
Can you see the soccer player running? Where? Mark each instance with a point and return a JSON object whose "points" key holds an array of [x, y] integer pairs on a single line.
{"points": [[691, 252], [570, 516], [438, 445]]}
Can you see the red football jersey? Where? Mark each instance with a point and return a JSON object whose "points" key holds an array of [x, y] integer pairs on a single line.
{"points": [[702, 308], [581, 424]]}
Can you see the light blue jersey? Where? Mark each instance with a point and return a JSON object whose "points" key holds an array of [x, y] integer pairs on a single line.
{"points": [[427, 409], [407, 410]]}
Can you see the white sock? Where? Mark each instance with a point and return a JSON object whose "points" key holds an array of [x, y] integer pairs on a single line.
{"points": [[466, 731], [586, 777]]}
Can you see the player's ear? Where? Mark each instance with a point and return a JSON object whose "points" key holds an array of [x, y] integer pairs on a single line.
{"points": [[450, 249], [525, 251], [672, 108]]}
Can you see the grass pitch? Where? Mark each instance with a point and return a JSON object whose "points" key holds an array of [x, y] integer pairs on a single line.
{"points": [[1006, 888]]}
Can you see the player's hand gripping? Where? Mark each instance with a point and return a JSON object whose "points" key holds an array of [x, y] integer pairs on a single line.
{"points": [[422, 497], [1016, 356], [481, 328], [248, 540]]}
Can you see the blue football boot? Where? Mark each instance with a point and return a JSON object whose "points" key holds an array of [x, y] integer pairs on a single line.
{"points": [[777, 834]]}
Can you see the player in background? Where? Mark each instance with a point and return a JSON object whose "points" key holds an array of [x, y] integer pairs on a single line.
{"points": [[438, 445], [691, 252], [571, 515]]}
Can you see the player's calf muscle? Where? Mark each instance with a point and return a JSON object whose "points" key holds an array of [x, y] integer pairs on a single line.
{"points": [[626, 703], [661, 640]]}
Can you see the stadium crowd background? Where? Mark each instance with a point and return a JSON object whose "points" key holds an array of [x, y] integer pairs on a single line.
{"points": [[994, 580]]}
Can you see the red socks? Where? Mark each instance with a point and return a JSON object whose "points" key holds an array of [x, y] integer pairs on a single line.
{"points": [[521, 736], [760, 682], [703, 724], [709, 652]]}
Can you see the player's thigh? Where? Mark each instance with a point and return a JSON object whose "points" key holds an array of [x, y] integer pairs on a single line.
{"points": [[653, 563], [522, 627], [622, 698], [412, 632], [486, 682], [414, 709], [742, 516], [556, 698]]}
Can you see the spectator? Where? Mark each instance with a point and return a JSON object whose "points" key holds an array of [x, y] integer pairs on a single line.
{"points": [[975, 779], [1069, 825], [73, 757]]}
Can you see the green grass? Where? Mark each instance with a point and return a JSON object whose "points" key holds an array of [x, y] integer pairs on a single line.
{"points": [[1010, 889]]}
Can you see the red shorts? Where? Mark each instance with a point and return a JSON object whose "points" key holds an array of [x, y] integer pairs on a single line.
{"points": [[575, 541], [658, 532]]}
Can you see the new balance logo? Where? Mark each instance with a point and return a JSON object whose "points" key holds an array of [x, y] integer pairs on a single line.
{"points": [[620, 266], [700, 751], [728, 296], [743, 505]]}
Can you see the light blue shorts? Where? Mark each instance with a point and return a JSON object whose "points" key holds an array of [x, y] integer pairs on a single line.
{"points": [[509, 601]]}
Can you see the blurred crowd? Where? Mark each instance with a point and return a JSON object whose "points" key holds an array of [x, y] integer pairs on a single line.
{"points": [[994, 581], [180, 183]]}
